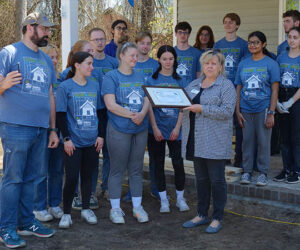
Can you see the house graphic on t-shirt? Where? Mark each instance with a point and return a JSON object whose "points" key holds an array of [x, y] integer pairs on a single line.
{"points": [[87, 109], [253, 82], [229, 61], [134, 97], [182, 69], [38, 74], [287, 78]]}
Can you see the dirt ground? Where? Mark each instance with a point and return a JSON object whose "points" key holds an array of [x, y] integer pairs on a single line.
{"points": [[165, 231]]}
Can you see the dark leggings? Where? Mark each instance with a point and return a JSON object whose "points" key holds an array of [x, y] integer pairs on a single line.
{"points": [[158, 149], [83, 160]]}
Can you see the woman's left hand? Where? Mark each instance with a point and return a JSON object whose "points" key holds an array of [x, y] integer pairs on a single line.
{"points": [[174, 134], [195, 108], [99, 143], [269, 121], [137, 118]]}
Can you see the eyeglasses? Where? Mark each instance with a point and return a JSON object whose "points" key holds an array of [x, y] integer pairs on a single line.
{"points": [[179, 32], [255, 43], [119, 28], [98, 40]]}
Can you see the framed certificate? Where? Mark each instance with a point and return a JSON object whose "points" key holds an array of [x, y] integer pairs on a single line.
{"points": [[167, 97]]}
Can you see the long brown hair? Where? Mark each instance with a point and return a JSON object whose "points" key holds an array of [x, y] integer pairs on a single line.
{"points": [[211, 41], [77, 47]]}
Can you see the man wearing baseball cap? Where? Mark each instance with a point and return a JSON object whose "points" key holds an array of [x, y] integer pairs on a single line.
{"points": [[26, 107]]}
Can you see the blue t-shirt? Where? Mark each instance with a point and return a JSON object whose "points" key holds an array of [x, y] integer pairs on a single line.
{"points": [[256, 78], [55, 86], [147, 68], [166, 118], [111, 48], [26, 103], [233, 52], [81, 104], [188, 64], [129, 94], [105, 65], [289, 70], [96, 77], [283, 47]]}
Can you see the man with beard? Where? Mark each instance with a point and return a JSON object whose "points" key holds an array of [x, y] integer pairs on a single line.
{"points": [[26, 106], [119, 31], [291, 18], [104, 63]]}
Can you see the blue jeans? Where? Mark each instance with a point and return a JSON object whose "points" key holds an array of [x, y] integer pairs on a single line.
{"points": [[52, 172], [210, 179], [24, 151], [105, 168]]}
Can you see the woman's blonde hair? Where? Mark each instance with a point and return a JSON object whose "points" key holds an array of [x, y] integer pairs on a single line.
{"points": [[206, 56], [48, 50]]}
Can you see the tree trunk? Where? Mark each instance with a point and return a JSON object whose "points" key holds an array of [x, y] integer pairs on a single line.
{"points": [[21, 13], [147, 12]]}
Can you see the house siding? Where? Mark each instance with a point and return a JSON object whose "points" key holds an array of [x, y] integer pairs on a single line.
{"points": [[255, 15]]}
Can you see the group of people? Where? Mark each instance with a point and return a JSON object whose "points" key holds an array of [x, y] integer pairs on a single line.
{"points": [[55, 124]]}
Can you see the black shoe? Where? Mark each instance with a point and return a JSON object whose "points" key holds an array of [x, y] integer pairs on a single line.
{"points": [[293, 178], [281, 177]]}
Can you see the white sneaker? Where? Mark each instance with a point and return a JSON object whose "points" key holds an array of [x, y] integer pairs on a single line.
{"points": [[164, 206], [116, 215], [43, 215], [56, 212], [140, 214], [181, 204], [65, 221], [89, 216]]}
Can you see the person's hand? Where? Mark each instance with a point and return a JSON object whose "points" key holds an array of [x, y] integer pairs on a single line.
{"points": [[137, 118], [69, 147], [11, 79], [288, 103], [157, 134], [241, 119], [53, 140], [269, 121], [280, 108], [195, 108], [99, 143], [174, 134]]}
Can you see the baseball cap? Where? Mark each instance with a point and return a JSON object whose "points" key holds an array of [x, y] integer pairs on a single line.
{"points": [[37, 18]]}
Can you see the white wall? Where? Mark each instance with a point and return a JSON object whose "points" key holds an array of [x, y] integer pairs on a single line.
{"points": [[260, 15]]}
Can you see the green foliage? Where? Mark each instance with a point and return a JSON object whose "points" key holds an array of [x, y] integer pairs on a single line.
{"points": [[292, 4]]}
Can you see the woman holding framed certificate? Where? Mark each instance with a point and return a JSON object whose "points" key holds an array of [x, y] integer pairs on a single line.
{"points": [[166, 128], [207, 136], [126, 132]]}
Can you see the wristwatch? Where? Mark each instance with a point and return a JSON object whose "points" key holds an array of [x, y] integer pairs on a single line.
{"points": [[67, 138], [53, 129], [271, 112]]}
